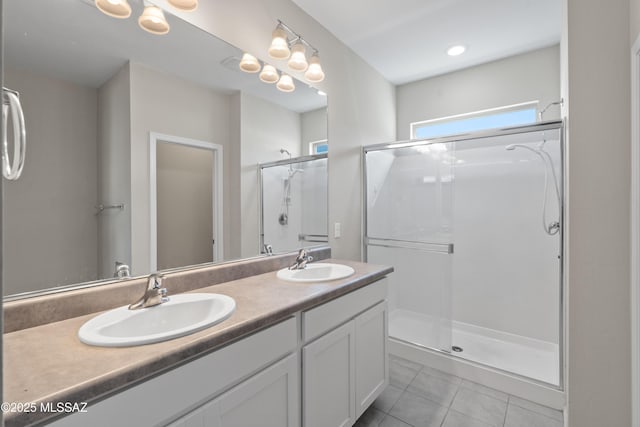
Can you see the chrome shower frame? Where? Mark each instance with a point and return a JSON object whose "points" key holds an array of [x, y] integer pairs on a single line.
{"points": [[285, 162], [538, 127]]}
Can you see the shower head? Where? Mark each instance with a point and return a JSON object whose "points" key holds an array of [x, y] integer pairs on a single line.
{"points": [[510, 147], [282, 151]]}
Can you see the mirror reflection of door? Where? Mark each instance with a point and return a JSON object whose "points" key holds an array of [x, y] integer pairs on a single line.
{"points": [[185, 214]]}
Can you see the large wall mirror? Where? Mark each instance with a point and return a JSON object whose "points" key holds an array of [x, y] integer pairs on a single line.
{"points": [[112, 113]]}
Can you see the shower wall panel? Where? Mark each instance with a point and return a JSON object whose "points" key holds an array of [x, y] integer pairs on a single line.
{"points": [[294, 204], [507, 268]]}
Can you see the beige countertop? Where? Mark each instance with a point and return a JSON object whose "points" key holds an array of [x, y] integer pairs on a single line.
{"points": [[48, 363]]}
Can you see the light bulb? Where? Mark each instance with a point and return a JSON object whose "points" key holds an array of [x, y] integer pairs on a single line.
{"points": [[269, 74], [186, 5], [298, 60], [115, 8], [279, 48], [249, 63], [314, 73], [153, 20], [285, 84]]}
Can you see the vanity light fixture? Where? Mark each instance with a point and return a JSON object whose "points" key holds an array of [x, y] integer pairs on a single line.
{"points": [[285, 84], [279, 48], [115, 8], [287, 44], [298, 60], [186, 5], [249, 63], [314, 73], [269, 74], [152, 20]]}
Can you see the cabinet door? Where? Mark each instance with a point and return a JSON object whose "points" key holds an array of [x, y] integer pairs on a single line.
{"points": [[268, 399], [372, 363], [328, 379]]}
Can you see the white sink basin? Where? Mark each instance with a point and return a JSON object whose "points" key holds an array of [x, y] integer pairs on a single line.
{"points": [[316, 272], [183, 314]]}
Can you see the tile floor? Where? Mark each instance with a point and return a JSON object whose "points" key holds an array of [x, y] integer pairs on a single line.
{"points": [[419, 396]]}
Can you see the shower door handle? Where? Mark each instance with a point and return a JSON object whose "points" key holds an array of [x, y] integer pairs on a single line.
{"points": [[12, 169]]}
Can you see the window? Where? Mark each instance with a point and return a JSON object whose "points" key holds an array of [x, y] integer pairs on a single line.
{"points": [[513, 115], [319, 147]]}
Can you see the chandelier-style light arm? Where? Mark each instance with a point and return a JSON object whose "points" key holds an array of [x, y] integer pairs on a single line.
{"points": [[296, 37]]}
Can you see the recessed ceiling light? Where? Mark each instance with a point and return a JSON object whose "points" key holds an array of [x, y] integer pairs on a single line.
{"points": [[456, 50]]}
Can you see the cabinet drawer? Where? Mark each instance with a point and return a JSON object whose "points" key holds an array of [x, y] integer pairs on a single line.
{"points": [[321, 319], [180, 390]]}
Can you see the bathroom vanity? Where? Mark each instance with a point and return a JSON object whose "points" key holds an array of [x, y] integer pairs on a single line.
{"points": [[292, 354]]}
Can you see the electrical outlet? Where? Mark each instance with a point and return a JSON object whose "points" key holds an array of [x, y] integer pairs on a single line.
{"points": [[337, 230]]}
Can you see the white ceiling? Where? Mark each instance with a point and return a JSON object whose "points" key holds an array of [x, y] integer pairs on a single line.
{"points": [[407, 40]]}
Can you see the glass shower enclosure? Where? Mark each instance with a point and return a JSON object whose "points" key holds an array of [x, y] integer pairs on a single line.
{"points": [[473, 226], [293, 203]]}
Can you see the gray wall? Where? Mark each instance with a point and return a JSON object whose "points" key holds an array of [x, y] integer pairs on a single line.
{"points": [[180, 108], [114, 164], [634, 14], [232, 203], [314, 128], [266, 128], [599, 365], [634, 34], [362, 102], [58, 187], [533, 76]]}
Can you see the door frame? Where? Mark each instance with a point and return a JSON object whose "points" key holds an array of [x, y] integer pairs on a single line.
{"points": [[217, 208]]}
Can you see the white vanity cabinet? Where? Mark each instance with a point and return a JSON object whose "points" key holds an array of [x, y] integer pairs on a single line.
{"points": [[345, 363], [339, 347], [258, 374]]}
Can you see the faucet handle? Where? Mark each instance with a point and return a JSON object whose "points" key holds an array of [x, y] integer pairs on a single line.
{"points": [[163, 295], [302, 255], [155, 281]]}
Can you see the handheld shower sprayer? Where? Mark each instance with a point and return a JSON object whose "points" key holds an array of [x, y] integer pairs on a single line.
{"points": [[553, 227]]}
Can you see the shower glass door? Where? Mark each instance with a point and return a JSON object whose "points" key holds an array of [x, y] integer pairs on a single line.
{"points": [[507, 280], [496, 300], [409, 196], [293, 203]]}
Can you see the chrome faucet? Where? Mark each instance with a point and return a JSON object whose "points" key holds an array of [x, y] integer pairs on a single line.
{"points": [[122, 271], [301, 260], [153, 295]]}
